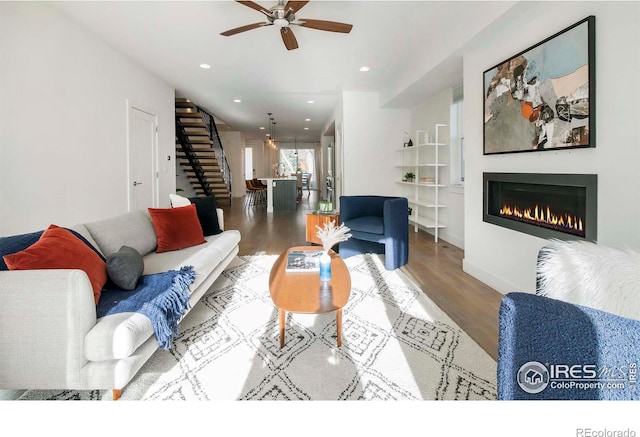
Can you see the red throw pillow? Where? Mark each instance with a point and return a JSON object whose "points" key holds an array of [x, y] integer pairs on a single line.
{"points": [[58, 248], [176, 228]]}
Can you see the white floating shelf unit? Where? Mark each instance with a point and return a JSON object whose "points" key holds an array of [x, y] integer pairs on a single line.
{"points": [[423, 160]]}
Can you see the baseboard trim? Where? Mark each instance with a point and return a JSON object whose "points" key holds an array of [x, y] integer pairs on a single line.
{"points": [[442, 235], [491, 280]]}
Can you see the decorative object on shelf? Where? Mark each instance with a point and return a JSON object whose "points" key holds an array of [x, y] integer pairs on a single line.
{"points": [[325, 207], [543, 97], [409, 177], [410, 210], [427, 180], [330, 236], [410, 143], [407, 139]]}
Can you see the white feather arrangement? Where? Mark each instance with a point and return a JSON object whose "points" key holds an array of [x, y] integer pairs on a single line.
{"points": [[330, 235]]}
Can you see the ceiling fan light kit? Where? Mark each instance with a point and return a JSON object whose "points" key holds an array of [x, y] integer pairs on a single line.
{"points": [[283, 16]]}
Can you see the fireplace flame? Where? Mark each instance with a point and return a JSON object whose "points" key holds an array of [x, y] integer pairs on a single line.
{"points": [[543, 216]]}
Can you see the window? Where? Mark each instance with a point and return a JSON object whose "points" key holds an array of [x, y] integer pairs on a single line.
{"points": [[457, 137], [299, 159]]}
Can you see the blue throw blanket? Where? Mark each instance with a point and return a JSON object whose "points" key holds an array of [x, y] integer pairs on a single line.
{"points": [[162, 297]]}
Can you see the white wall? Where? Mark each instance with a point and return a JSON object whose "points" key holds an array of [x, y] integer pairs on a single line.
{"points": [[64, 121], [505, 259], [234, 144], [370, 137]]}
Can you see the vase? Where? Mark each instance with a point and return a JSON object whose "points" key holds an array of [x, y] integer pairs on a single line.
{"points": [[325, 267]]}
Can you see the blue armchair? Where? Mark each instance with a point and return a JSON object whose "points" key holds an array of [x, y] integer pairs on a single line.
{"points": [[555, 349], [379, 224]]}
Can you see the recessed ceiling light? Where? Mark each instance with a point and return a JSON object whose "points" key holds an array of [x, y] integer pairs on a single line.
{"points": [[237, 100], [364, 69], [306, 128], [261, 127], [307, 119], [205, 66], [310, 101]]}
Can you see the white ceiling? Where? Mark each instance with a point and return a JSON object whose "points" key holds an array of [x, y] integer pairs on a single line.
{"points": [[409, 46]]}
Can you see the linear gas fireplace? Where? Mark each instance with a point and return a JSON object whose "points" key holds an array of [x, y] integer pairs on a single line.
{"points": [[562, 206]]}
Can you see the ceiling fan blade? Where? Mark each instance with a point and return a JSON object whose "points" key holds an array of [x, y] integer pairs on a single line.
{"points": [[295, 6], [331, 26], [243, 28], [256, 6], [289, 39]]}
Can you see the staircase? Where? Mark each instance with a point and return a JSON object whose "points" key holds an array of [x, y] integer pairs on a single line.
{"points": [[200, 153]]}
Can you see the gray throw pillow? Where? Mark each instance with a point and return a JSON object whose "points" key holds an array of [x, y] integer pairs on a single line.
{"points": [[125, 267], [133, 229]]}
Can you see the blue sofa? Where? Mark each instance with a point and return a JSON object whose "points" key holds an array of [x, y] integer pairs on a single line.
{"points": [[379, 224], [554, 349]]}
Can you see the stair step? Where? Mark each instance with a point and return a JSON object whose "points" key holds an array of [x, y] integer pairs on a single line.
{"points": [[199, 140], [212, 175], [191, 123], [213, 169], [186, 110], [182, 102], [190, 173], [204, 149], [206, 153], [218, 182], [188, 115], [196, 131], [201, 160], [205, 166], [209, 176], [199, 156]]}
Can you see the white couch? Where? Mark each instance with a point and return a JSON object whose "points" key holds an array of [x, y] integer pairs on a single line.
{"points": [[50, 337]]}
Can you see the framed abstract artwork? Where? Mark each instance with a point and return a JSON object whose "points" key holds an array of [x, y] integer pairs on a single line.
{"points": [[543, 98]]}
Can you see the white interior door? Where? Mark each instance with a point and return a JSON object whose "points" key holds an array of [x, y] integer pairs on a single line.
{"points": [[143, 167]]}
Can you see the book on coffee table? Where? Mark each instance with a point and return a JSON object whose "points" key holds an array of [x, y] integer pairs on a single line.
{"points": [[303, 261]]}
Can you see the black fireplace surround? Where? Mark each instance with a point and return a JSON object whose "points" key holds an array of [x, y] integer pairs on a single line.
{"points": [[545, 205]]}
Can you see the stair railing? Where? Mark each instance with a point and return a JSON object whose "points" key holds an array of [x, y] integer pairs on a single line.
{"points": [[193, 160], [208, 120]]}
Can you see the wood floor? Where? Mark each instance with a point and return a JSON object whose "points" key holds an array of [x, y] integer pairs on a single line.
{"points": [[435, 267]]}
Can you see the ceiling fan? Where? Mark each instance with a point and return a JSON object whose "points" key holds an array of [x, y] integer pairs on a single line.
{"points": [[283, 16]]}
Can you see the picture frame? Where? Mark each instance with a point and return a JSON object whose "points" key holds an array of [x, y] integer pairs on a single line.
{"points": [[543, 98]]}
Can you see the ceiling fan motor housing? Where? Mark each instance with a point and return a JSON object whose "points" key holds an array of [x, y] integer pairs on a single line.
{"points": [[280, 17]]}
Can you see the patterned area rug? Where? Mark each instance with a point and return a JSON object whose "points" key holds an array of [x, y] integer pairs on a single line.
{"points": [[397, 345]]}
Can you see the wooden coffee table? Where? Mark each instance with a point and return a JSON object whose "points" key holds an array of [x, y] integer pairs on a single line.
{"points": [[305, 293]]}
